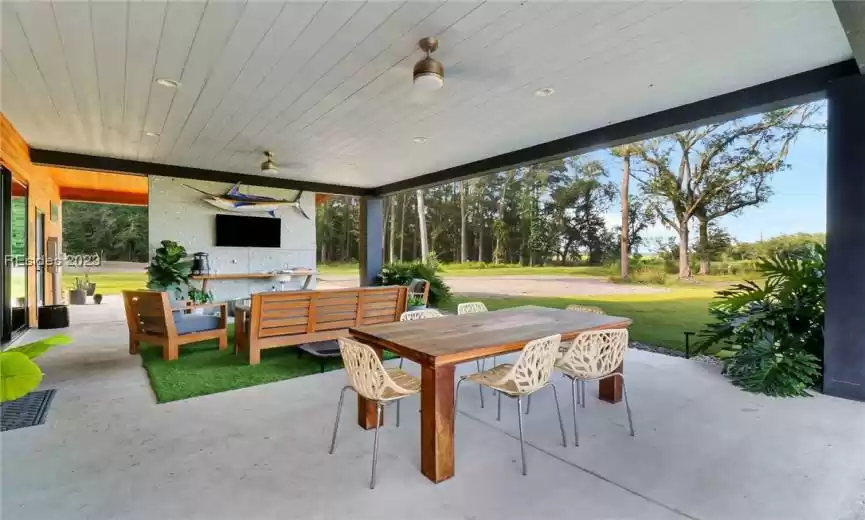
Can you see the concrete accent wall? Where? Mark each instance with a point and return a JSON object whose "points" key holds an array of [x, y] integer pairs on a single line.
{"points": [[179, 213]]}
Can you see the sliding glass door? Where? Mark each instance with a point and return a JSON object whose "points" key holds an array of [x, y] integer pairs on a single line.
{"points": [[13, 205]]}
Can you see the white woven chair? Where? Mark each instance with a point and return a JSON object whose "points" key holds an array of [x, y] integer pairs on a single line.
{"points": [[421, 314], [530, 373], [593, 356], [585, 308], [471, 308], [371, 380]]}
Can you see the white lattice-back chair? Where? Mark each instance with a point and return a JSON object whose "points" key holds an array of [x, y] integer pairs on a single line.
{"points": [[471, 307], [530, 373], [593, 356], [421, 314], [585, 308], [371, 380]]}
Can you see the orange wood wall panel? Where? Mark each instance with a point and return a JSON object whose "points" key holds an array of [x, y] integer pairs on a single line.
{"points": [[42, 191]]}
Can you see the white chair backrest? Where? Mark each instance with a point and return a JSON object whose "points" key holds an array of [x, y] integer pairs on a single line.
{"points": [[535, 364], [596, 353], [365, 371], [585, 308], [471, 307], [421, 314]]}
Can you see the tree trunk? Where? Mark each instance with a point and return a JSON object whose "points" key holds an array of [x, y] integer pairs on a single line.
{"points": [[392, 245], [684, 266], [481, 242], [464, 242], [624, 254], [704, 246], [421, 218], [402, 227]]}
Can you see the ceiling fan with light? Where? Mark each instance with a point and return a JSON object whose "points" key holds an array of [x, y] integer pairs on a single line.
{"points": [[428, 72], [269, 165]]}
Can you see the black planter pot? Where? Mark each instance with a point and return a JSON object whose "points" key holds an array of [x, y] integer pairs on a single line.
{"points": [[53, 316], [77, 297], [97, 299]]}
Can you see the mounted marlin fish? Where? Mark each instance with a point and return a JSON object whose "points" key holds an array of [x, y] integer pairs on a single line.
{"points": [[233, 200]]}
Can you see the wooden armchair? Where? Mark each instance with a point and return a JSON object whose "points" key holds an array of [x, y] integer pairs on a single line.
{"points": [[151, 319]]}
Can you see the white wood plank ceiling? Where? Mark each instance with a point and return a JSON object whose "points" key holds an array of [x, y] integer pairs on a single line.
{"points": [[327, 86]]}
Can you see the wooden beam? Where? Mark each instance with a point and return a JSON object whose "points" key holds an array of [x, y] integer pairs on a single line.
{"points": [[799, 88], [112, 164], [852, 17], [103, 196]]}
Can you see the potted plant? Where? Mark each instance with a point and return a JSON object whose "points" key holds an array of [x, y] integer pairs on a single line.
{"points": [[97, 298], [21, 375], [78, 293], [89, 286], [198, 297], [415, 303], [169, 270]]}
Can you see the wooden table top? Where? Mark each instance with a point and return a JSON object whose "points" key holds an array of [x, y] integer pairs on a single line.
{"points": [[455, 339]]}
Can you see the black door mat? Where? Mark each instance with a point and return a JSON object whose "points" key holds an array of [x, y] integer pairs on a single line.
{"points": [[29, 410]]}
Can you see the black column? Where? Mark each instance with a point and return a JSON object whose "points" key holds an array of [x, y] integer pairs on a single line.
{"points": [[371, 239], [844, 352]]}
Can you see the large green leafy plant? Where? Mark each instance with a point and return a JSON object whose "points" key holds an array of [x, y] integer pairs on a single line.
{"points": [[775, 330], [404, 273], [19, 374], [169, 270]]}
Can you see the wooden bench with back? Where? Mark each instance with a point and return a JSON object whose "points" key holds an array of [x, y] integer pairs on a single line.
{"points": [[284, 319]]}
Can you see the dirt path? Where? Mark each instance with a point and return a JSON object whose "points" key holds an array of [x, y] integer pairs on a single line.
{"points": [[516, 285]]}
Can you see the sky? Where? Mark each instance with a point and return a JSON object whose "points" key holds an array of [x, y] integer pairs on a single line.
{"points": [[797, 205]]}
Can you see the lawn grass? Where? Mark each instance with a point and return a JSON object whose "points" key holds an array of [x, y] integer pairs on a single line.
{"points": [[109, 283], [658, 318], [203, 369]]}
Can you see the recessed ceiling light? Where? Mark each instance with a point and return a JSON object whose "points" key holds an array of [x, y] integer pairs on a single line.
{"points": [[170, 83], [545, 92], [420, 139], [151, 134]]}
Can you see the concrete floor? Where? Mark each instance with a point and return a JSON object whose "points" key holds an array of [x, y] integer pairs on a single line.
{"points": [[703, 450]]}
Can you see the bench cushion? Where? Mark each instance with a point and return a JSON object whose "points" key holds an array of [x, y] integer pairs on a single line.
{"points": [[189, 323]]}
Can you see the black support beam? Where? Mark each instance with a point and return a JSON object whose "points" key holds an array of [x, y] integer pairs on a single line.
{"points": [[844, 350], [371, 238], [799, 88], [115, 165]]}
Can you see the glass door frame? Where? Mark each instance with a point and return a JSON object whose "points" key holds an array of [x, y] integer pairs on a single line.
{"points": [[7, 334]]}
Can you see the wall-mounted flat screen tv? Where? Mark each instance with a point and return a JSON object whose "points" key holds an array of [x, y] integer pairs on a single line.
{"points": [[243, 231]]}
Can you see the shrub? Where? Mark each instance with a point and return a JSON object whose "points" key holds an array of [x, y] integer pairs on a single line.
{"points": [[776, 329], [404, 273]]}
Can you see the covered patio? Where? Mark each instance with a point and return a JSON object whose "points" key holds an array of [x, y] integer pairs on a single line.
{"points": [[703, 450], [193, 91]]}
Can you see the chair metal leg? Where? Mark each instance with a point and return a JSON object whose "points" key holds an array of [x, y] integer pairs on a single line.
{"points": [[480, 387], [397, 412], [522, 444], [336, 423], [457, 396], [528, 404], [627, 406], [499, 406], [583, 392], [375, 444], [400, 361], [575, 401], [559, 413]]}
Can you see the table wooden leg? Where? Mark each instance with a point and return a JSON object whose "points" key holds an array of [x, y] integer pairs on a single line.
{"points": [[437, 422], [366, 410], [239, 330], [610, 389]]}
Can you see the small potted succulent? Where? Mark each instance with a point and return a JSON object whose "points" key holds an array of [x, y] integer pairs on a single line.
{"points": [[197, 297], [89, 286], [415, 303]]}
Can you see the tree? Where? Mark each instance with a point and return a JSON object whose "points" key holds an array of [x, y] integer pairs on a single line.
{"points": [[717, 169], [464, 245], [392, 242], [625, 152], [421, 218]]}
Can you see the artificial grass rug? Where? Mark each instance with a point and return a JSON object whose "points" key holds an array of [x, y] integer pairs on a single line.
{"points": [[203, 369]]}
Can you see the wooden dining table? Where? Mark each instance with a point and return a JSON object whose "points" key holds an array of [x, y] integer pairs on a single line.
{"points": [[439, 344]]}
